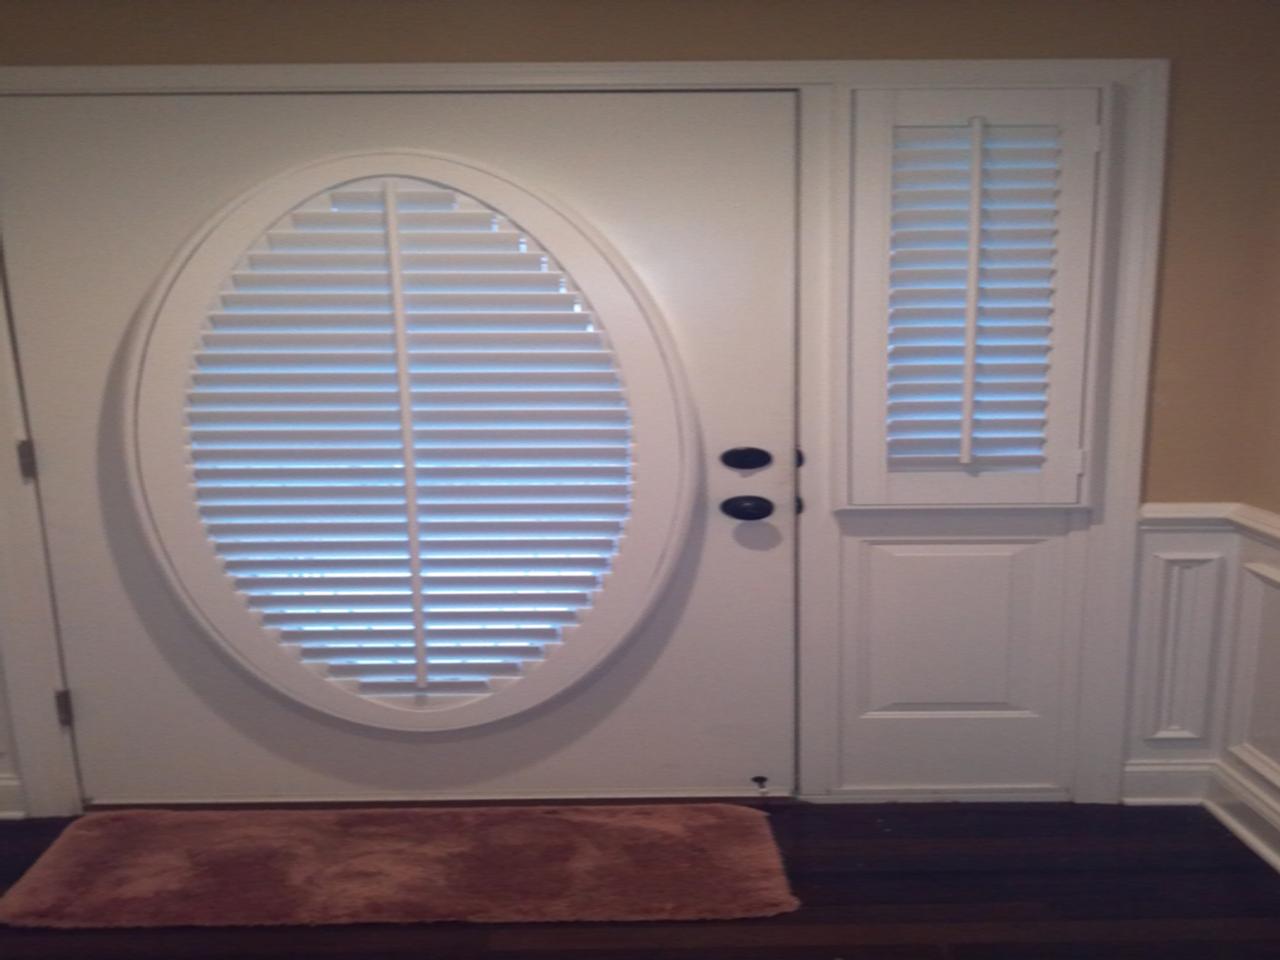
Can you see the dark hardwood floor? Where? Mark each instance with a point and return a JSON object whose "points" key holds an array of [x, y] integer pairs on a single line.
{"points": [[901, 882]]}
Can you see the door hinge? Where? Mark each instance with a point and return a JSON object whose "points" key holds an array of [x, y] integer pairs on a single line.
{"points": [[62, 704], [27, 459]]}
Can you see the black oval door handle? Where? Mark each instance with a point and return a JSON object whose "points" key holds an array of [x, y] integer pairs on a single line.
{"points": [[747, 508], [746, 458]]}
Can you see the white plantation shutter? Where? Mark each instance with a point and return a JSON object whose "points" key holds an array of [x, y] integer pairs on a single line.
{"points": [[971, 276], [402, 457], [973, 225], [410, 443]]}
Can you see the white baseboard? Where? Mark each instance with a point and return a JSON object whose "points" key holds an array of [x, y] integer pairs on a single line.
{"points": [[12, 803], [1159, 783], [1247, 801], [1241, 790]]}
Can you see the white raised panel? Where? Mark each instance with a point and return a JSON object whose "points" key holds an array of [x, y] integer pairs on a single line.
{"points": [[953, 661], [1246, 794], [1206, 727], [941, 628], [1178, 637], [1261, 603], [1182, 649]]}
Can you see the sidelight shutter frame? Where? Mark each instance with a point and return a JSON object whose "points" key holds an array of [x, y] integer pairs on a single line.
{"points": [[968, 374], [168, 332]]}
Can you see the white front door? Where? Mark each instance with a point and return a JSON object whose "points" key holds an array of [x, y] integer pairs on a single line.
{"points": [[696, 194]]}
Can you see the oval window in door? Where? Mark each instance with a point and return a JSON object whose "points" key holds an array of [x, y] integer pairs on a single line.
{"points": [[410, 441]]}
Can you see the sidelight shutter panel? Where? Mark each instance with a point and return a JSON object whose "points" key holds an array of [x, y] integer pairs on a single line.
{"points": [[405, 440], [972, 234], [971, 274]]}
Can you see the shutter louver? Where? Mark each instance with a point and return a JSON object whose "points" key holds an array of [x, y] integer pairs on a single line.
{"points": [[409, 442], [971, 291]]}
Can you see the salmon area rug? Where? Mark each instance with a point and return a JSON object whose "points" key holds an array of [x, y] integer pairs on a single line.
{"points": [[162, 868]]}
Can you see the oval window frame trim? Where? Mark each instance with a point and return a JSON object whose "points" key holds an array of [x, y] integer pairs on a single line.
{"points": [[664, 436]]}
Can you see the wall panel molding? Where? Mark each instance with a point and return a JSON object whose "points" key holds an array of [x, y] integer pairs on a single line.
{"points": [[1186, 576], [1180, 642], [1207, 664]]}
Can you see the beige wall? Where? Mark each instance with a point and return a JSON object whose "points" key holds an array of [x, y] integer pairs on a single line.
{"points": [[1215, 416]]}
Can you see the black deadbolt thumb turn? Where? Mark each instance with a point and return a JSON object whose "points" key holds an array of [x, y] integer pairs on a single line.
{"points": [[747, 508], [746, 458]]}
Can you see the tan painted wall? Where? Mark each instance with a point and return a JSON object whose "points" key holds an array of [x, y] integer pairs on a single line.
{"points": [[1215, 421]]}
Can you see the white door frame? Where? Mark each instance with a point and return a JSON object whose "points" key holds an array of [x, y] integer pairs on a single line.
{"points": [[45, 782], [1136, 88]]}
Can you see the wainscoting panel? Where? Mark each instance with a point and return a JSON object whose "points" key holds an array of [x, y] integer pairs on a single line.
{"points": [[1207, 667], [1246, 792], [1260, 640], [1182, 580], [1186, 574], [1191, 587]]}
